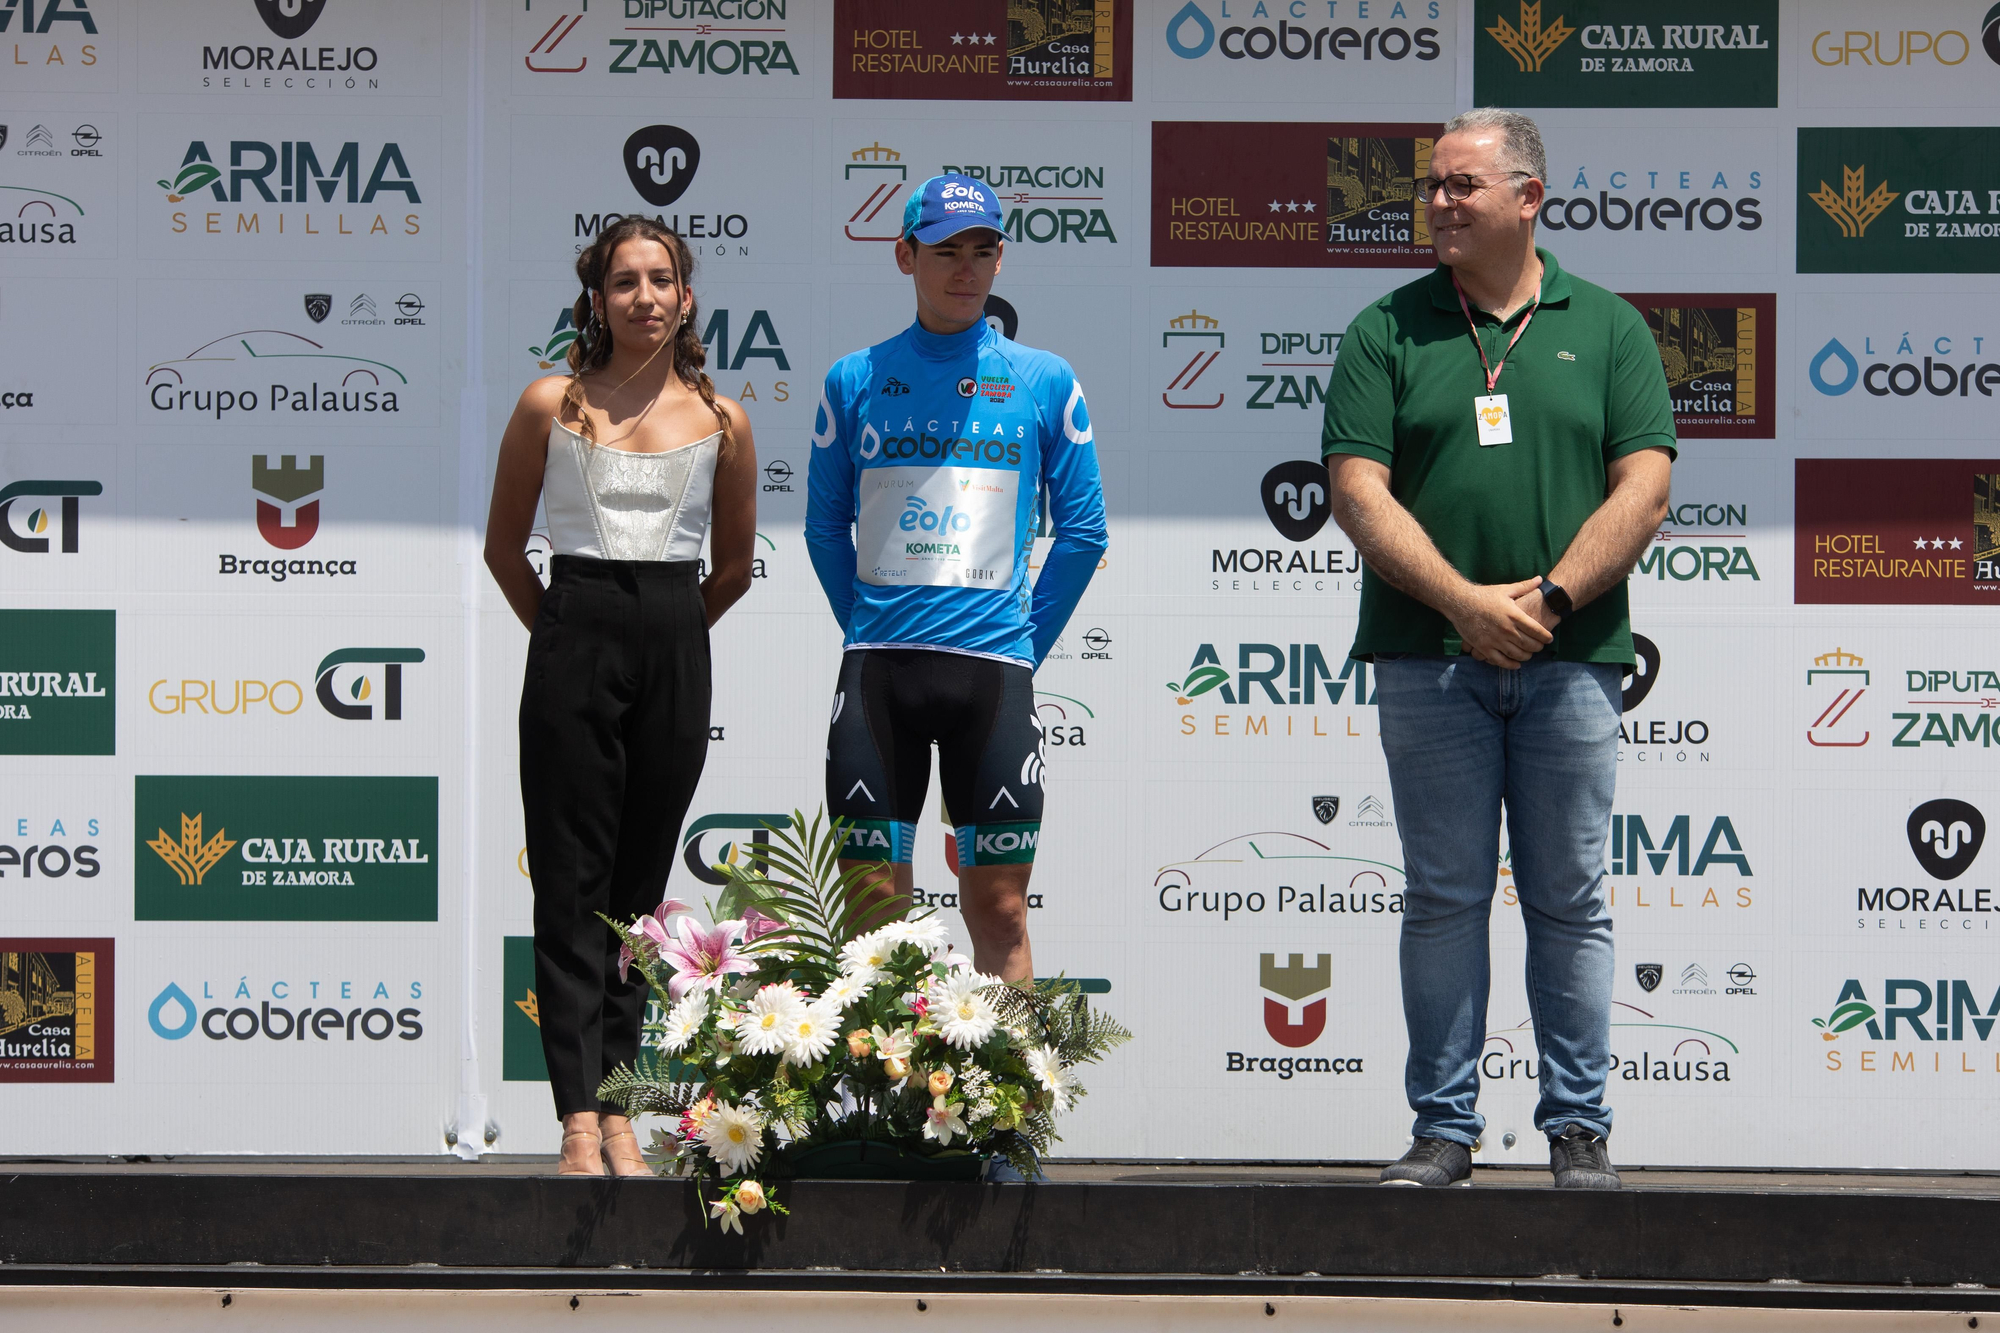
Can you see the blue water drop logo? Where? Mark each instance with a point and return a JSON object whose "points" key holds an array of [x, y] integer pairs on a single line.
{"points": [[1833, 351], [1190, 13], [171, 995]]}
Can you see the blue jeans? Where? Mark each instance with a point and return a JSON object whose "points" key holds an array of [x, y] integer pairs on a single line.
{"points": [[1462, 738]]}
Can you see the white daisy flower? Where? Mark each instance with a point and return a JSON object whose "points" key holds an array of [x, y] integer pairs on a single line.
{"points": [[842, 992], [734, 1137], [812, 1033], [1048, 1071], [964, 1017], [684, 1021], [766, 1023], [926, 934], [865, 956]]}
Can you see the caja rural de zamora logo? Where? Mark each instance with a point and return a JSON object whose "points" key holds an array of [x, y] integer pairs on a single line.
{"points": [[1855, 206]]}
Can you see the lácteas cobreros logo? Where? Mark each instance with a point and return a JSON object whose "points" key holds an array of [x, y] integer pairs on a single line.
{"points": [[1899, 199], [285, 848], [57, 673], [1592, 53]]}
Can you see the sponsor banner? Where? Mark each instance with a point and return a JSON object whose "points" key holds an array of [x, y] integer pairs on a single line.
{"points": [[1685, 53], [231, 686], [1395, 51], [58, 182], [285, 848], [325, 519], [56, 840], [57, 511], [1904, 1016], [669, 48], [277, 356], [1681, 861], [728, 185], [58, 681], [63, 45], [58, 1010], [1251, 194], [340, 186], [1065, 191], [44, 321], [1717, 350], [1718, 545], [1246, 358], [1905, 531], [1654, 201], [521, 1058], [1688, 708], [1912, 701], [1065, 51], [1896, 366], [1257, 689], [297, 50], [1924, 53], [1899, 199], [1910, 875], [1244, 525]]}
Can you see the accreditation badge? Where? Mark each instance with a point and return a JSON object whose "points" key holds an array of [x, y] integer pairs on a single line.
{"points": [[1490, 415]]}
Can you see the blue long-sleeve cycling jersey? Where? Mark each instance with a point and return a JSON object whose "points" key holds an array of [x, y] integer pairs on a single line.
{"points": [[934, 450]]}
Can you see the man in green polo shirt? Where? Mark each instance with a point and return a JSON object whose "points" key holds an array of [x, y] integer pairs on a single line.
{"points": [[1499, 437]]}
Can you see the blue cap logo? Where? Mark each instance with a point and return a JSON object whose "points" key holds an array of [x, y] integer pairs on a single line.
{"points": [[946, 205]]}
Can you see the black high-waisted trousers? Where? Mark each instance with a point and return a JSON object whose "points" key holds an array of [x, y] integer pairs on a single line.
{"points": [[614, 731]]}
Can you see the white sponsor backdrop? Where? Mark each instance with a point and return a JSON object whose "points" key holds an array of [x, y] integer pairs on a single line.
{"points": [[339, 259]]}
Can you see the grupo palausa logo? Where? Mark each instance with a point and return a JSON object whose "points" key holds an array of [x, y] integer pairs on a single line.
{"points": [[354, 384], [1297, 984], [661, 161], [1945, 835], [290, 19]]}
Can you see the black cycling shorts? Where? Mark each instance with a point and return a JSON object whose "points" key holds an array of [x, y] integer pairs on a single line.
{"points": [[891, 706]]}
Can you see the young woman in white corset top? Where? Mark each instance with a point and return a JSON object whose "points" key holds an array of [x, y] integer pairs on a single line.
{"points": [[634, 459]]}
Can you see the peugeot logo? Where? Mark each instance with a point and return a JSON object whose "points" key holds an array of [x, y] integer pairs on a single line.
{"points": [[661, 161]]}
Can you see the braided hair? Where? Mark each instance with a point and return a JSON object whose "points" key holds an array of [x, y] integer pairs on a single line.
{"points": [[592, 349]]}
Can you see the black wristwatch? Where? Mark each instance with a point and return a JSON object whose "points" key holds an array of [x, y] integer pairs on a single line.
{"points": [[1554, 598]]}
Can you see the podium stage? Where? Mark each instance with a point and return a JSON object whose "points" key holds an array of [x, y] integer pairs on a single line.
{"points": [[1800, 1241]]}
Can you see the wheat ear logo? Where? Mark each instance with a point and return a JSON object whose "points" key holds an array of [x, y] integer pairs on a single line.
{"points": [[1851, 209], [191, 858], [1531, 43], [531, 1007]]}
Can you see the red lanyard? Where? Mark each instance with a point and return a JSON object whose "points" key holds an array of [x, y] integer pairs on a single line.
{"points": [[1493, 372]]}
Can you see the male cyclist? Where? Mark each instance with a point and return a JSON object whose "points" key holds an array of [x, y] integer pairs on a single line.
{"points": [[932, 453]]}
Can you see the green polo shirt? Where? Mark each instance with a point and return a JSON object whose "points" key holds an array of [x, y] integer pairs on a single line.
{"points": [[1584, 385]]}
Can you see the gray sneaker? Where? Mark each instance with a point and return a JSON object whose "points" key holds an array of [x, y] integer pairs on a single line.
{"points": [[1581, 1161], [1431, 1162]]}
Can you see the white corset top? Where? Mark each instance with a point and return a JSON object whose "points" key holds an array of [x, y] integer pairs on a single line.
{"points": [[619, 505]]}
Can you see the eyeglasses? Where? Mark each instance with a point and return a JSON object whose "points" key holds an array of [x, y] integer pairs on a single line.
{"points": [[1460, 185]]}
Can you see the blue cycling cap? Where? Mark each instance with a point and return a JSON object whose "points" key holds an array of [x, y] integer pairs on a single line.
{"points": [[946, 205]]}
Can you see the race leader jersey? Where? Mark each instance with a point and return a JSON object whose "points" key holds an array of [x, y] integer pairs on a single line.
{"points": [[933, 451]]}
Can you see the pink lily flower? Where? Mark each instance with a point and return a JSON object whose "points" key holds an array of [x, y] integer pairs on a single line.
{"points": [[756, 925], [703, 957], [652, 933]]}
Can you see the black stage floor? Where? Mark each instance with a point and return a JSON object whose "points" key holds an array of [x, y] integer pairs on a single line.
{"points": [[1782, 1239]]}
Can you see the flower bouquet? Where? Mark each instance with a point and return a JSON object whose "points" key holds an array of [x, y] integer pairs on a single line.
{"points": [[809, 1017]]}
